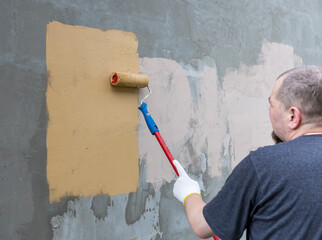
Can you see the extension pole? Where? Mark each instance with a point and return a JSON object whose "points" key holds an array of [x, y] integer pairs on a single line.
{"points": [[155, 131]]}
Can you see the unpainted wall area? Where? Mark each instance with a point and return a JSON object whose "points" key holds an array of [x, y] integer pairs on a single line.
{"points": [[211, 65]]}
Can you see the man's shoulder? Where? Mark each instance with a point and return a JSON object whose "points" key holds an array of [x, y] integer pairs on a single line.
{"points": [[268, 150], [282, 153], [280, 147]]}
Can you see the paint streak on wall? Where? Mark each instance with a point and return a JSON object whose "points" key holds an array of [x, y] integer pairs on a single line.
{"points": [[246, 98], [170, 106], [92, 131], [209, 138], [189, 115]]}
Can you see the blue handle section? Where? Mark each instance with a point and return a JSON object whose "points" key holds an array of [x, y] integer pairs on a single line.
{"points": [[148, 119]]}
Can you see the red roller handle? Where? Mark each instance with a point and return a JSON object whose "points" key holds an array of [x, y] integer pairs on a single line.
{"points": [[155, 131], [166, 151], [170, 158]]}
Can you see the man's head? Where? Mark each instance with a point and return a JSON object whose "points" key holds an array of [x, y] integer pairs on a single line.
{"points": [[296, 102]]}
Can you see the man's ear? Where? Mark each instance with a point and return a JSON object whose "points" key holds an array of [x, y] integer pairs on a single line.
{"points": [[294, 117]]}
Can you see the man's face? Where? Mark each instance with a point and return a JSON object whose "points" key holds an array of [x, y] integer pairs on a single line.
{"points": [[277, 114]]}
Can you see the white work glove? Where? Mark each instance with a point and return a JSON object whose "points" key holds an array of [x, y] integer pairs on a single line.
{"points": [[184, 186]]}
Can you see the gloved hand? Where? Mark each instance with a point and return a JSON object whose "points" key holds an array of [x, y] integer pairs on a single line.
{"points": [[184, 186]]}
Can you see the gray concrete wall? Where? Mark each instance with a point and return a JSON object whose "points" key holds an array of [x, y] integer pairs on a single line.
{"points": [[221, 57]]}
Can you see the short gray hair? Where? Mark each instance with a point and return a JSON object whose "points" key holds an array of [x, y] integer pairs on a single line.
{"points": [[302, 87]]}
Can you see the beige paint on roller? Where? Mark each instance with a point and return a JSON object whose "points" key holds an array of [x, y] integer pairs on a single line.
{"points": [[129, 80], [92, 131]]}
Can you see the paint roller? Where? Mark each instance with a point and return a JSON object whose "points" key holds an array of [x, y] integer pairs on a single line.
{"points": [[122, 79]]}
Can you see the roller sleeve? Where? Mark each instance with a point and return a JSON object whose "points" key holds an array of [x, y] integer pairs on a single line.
{"points": [[121, 79]]}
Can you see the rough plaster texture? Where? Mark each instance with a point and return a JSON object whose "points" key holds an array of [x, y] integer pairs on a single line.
{"points": [[220, 51]]}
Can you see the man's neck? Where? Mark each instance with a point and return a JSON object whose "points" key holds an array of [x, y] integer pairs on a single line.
{"points": [[306, 131], [313, 133]]}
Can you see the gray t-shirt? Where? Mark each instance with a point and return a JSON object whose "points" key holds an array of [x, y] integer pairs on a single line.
{"points": [[274, 193]]}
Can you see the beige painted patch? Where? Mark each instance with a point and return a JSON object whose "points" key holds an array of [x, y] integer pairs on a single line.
{"points": [[92, 131]]}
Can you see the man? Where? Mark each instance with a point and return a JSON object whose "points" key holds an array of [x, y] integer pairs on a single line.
{"points": [[276, 191]]}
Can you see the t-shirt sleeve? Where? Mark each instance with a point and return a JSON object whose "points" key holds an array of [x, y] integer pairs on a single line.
{"points": [[229, 213]]}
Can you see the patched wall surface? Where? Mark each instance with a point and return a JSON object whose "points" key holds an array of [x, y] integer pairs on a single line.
{"points": [[211, 65]]}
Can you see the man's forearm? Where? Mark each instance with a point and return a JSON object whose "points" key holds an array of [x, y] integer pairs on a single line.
{"points": [[194, 206], [187, 191]]}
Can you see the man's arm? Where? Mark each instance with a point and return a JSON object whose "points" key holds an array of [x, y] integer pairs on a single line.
{"points": [[187, 191], [194, 206]]}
